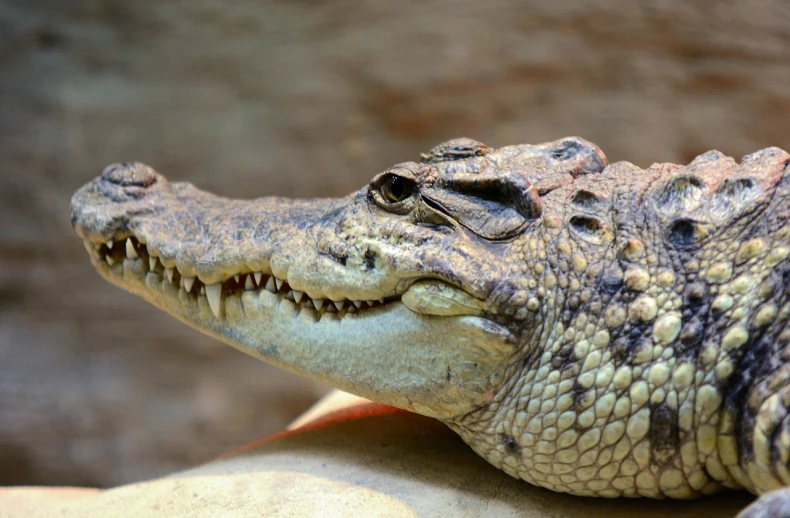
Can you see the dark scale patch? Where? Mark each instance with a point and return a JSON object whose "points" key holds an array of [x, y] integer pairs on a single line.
{"points": [[620, 349], [589, 227], [664, 436], [682, 233], [694, 294], [511, 446], [691, 335], [611, 283], [562, 357], [585, 199], [370, 259], [758, 361]]}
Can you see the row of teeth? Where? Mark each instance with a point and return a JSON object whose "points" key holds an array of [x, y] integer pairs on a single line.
{"points": [[243, 281]]}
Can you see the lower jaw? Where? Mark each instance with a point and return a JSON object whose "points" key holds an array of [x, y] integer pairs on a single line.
{"points": [[385, 352]]}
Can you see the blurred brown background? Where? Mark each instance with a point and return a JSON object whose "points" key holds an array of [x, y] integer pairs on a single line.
{"points": [[299, 98]]}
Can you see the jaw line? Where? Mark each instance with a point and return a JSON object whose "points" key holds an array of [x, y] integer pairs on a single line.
{"points": [[356, 352]]}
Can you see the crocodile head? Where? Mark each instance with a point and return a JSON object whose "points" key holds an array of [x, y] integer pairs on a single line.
{"points": [[402, 292]]}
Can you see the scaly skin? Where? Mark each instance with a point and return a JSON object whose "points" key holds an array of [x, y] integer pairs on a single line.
{"points": [[602, 331]]}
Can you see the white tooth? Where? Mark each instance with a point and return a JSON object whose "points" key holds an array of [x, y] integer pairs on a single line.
{"points": [[278, 283], [381, 301], [248, 283], [109, 244], [318, 304], [298, 296], [131, 253], [188, 282], [169, 272], [258, 276], [370, 302], [236, 277], [357, 303], [339, 304], [214, 296], [270, 285], [351, 309], [110, 260], [152, 263], [202, 290]]}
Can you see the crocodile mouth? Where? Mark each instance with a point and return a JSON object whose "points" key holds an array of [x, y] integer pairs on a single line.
{"points": [[130, 256]]}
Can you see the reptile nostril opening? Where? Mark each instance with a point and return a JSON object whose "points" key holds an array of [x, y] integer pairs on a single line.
{"points": [[129, 174]]}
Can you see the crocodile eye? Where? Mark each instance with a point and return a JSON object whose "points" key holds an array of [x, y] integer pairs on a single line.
{"points": [[396, 188]]}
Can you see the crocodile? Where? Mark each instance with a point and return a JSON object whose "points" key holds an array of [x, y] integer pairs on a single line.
{"points": [[591, 328]]}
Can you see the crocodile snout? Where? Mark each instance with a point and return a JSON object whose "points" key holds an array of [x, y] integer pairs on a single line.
{"points": [[105, 206]]}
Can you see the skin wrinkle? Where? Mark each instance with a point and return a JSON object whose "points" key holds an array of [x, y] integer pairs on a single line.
{"points": [[585, 353]]}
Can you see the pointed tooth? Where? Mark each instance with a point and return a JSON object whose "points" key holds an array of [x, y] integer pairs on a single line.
{"points": [[214, 296], [169, 272], [270, 285], [131, 253], [109, 244], [152, 262], [357, 303], [381, 301], [202, 290], [258, 276], [278, 283], [339, 304], [248, 285], [351, 309], [236, 277], [318, 304], [110, 260], [370, 302], [188, 282], [298, 296]]}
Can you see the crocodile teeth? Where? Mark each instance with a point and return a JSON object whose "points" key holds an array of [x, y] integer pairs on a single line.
{"points": [[131, 253], [214, 296], [110, 260], [278, 283], [202, 290], [258, 276], [318, 304], [188, 281], [152, 263], [270, 285], [109, 244], [370, 302], [357, 303], [248, 283], [339, 304], [298, 296], [236, 277], [169, 272]]}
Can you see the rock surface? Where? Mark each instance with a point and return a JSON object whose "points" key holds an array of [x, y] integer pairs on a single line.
{"points": [[364, 460], [299, 99]]}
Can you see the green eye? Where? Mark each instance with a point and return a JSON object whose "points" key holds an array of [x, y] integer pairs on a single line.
{"points": [[396, 188]]}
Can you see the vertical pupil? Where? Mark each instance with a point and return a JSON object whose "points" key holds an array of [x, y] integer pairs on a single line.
{"points": [[396, 187]]}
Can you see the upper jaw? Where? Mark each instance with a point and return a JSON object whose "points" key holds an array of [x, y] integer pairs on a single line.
{"points": [[135, 222]]}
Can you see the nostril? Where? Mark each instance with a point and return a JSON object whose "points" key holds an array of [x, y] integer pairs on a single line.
{"points": [[129, 174]]}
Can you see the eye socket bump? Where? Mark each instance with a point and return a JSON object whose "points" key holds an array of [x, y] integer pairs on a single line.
{"points": [[395, 189]]}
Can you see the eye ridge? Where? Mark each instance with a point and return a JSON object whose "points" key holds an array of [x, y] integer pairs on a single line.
{"points": [[396, 188]]}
